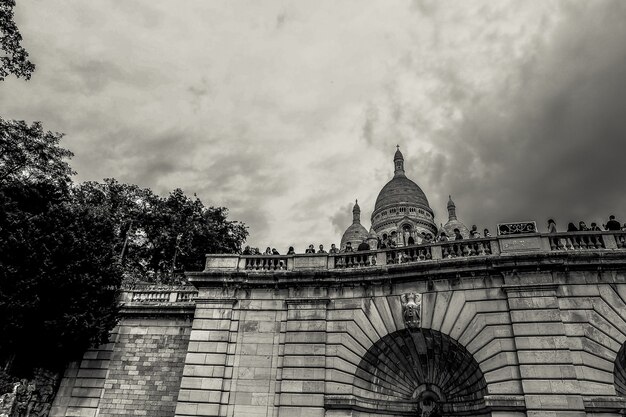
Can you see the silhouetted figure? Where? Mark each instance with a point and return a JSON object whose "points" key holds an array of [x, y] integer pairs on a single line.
{"points": [[268, 251], [486, 233], [348, 247], [246, 251], [310, 249], [474, 233], [457, 235], [290, 251], [442, 237], [275, 252], [551, 226], [363, 246], [333, 249], [571, 227], [582, 227], [612, 224], [321, 250], [594, 228]]}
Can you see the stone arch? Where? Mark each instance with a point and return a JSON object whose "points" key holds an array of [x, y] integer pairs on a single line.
{"points": [[407, 372], [619, 372]]}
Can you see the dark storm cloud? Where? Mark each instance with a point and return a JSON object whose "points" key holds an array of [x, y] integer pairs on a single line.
{"points": [[551, 142], [285, 111]]}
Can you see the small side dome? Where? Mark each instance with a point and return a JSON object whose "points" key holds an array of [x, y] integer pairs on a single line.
{"points": [[355, 233], [454, 223]]}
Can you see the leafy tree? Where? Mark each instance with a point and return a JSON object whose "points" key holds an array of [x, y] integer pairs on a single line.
{"points": [[13, 57], [59, 277], [159, 235]]}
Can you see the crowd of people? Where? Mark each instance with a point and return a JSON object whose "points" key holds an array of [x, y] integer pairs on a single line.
{"points": [[611, 225], [424, 238]]}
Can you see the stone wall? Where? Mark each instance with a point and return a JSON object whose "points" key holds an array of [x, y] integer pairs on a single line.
{"points": [[137, 373], [510, 335]]}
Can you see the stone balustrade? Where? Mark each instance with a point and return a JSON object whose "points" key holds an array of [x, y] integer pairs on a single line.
{"points": [[467, 248], [159, 294]]}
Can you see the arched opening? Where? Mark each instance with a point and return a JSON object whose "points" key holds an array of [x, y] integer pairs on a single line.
{"points": [[420, 373], [619, 372]]}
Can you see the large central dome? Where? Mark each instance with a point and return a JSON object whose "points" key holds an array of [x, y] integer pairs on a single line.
{"points": [[400, 190], [402, 211]]}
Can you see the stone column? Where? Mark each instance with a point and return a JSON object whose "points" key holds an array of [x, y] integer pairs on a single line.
{"points": [[545, 362], [205, 385], [304, 360]]}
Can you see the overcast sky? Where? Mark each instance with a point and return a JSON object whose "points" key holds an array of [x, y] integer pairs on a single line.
{"points": [[286, 111]]}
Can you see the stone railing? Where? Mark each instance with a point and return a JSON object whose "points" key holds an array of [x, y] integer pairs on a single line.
{"points": [[438, 251], [266, 263], [577, 241], [465, 248], [354, 259], [159, 294], [408, 254]]}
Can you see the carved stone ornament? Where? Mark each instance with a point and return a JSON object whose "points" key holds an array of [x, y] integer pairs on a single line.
{"points": [[516, 228], [412, 310]]}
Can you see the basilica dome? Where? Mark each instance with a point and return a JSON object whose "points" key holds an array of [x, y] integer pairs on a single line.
{"points": [[400, 190], [355, 233], [454, 223], [402, 211]]}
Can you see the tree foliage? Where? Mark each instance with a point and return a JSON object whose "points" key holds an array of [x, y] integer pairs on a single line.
{"points": [[13, 57], [66, 248], [159, 235], [58, 275]]}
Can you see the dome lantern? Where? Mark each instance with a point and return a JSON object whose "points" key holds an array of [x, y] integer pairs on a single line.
{"points": [[398, 161], [451, 209], [356, 212]]}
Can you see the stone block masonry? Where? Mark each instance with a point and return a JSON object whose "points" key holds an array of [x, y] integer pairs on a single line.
{"points": [[137, 374], [510, 335]]}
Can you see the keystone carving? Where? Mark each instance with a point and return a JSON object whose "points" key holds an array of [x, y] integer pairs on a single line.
{"points": [[412, 310]]}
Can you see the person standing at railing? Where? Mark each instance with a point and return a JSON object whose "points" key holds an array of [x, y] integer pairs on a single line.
{"points": [[268, 251], [486, 233], [333, 249], [594, 228], [571, 227], [612, 224], [321, 249], [556, 242], [442, 237], [291, 251], [348, 247], [457, 235], [551, 226], [474, 233], [582, 227], [311, 249], [275, 252]]}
